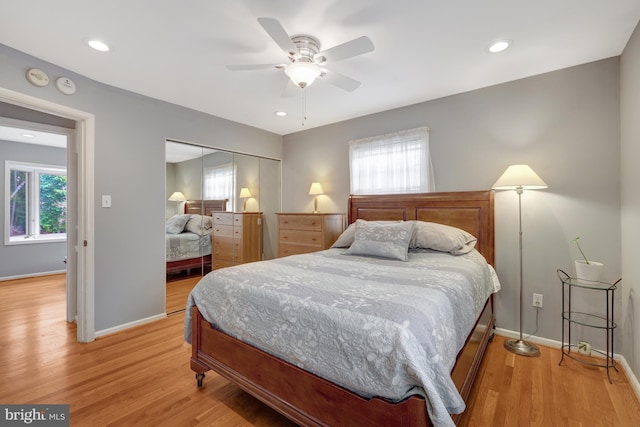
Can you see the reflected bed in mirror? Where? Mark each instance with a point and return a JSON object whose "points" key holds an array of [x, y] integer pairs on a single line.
{"points": [[188, 238], [204, 174]]}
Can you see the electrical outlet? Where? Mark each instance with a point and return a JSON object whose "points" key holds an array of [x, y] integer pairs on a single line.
{"points": [[584, 348], [537, 300]]}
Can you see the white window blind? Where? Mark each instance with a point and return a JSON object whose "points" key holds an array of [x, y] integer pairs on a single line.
{"points": [[394, 163], [219, 183]]}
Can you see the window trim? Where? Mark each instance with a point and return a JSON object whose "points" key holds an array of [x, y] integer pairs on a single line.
{"points": [[33, 200]]}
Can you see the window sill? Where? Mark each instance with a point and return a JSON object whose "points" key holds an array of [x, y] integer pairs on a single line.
{"points": [[35, 240]]}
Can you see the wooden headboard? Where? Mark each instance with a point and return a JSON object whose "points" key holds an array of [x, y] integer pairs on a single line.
{"points": [[205, 207], [471, 211]]}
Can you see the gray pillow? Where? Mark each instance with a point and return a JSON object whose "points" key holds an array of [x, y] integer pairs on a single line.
{"points": [[440, 237], [346, 238], [175, 224], [199, 224], [385, 240]]}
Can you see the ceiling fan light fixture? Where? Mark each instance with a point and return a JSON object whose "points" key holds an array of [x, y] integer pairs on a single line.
{"points": [[302, 74]]}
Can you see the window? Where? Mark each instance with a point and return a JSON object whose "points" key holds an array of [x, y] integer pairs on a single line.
{"points": [[219, 183], [393, 163], [36, 203]]}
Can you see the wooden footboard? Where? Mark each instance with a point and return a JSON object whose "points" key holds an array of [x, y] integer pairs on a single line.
{"points": [[310, 400]]}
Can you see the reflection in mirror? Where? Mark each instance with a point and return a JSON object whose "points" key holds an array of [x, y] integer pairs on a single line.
{"points": [[186, 243], [217, 181]]}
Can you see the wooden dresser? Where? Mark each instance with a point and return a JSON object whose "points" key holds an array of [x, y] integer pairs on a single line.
{"points": [[300, 233], [236, 238]]}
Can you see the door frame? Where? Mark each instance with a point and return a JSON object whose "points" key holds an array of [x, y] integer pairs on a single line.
{"points": [[81, 153]]}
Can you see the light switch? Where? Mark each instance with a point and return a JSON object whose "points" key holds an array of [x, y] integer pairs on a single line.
{"points": [[106, 201]]}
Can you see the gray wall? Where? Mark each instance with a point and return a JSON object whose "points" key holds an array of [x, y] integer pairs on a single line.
{"points": [[565, 125], [130, 166], [630, 136], [32, 258]]}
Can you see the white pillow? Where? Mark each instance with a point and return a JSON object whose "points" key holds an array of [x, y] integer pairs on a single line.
{"points": [[440, 237], [199, 224], [175, 224], [386, 240]]}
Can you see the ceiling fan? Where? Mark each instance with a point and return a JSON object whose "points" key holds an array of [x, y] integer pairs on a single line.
{"points": [[307, 60]]}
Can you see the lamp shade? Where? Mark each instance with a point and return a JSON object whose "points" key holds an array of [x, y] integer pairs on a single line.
{"points": [[303, 74], [519, 176], [244, 193], [177, 197], [316, 189]]}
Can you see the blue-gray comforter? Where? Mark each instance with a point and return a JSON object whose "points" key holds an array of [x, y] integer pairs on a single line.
{"points": [[374, 326]]}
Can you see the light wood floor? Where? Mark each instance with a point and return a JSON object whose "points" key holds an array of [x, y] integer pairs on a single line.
{"points": [[141, 377]]}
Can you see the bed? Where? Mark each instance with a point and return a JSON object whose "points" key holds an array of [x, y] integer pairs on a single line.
{"points": [[309, 399], [188, 236]]}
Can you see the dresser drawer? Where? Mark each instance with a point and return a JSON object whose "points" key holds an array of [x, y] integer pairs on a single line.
{"points": [[300, 237], [300, 222], [286, 249], [222, 218], [238, 220], [220, 263], [237, 233], [223, 230], [222, 248]]}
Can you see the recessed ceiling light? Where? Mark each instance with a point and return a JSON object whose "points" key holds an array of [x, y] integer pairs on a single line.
{"points": [[280, 113], [500, 46], [98, 45]]}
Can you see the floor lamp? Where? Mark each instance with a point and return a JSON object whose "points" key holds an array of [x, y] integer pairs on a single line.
{"points": [[519, 178]]}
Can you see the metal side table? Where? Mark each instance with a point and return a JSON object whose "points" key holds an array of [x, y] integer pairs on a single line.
{"points": [[590, 320]]}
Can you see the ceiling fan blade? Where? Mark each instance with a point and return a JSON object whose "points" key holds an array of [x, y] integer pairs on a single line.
{"points": [[278, 34], [340, 80], [250, 67], [346, 50]]}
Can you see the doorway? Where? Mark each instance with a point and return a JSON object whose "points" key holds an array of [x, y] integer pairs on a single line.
{"points": [[80, 232]]}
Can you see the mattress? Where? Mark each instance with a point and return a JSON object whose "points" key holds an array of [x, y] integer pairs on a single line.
{"points": [[375, 326], [187, 245]]}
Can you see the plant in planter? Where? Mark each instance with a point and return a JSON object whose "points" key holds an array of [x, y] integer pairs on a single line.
{"points": [[586, 271]]}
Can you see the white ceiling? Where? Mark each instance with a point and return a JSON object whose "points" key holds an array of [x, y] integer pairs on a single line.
{"points": [[176, 50]]}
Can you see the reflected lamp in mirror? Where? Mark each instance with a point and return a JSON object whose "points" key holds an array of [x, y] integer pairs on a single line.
{"points": [[315, 190], [177, 197], [244, 194]]}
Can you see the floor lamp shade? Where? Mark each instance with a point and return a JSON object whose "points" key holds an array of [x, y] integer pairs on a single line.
{"points": [[519, 178]]}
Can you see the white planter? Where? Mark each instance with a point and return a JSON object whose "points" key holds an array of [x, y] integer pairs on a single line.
{"points": [[588, 273]]}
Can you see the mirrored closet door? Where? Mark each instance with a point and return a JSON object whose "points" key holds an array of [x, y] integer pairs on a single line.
{"points": [[227, 202]]}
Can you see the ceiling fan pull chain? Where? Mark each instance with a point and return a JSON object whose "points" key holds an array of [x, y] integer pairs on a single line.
{"points": [[304, 106]]}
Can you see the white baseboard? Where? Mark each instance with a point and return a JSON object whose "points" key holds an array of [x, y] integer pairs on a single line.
{"points": [[633, 380], [24, 276], [130, 325]]}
